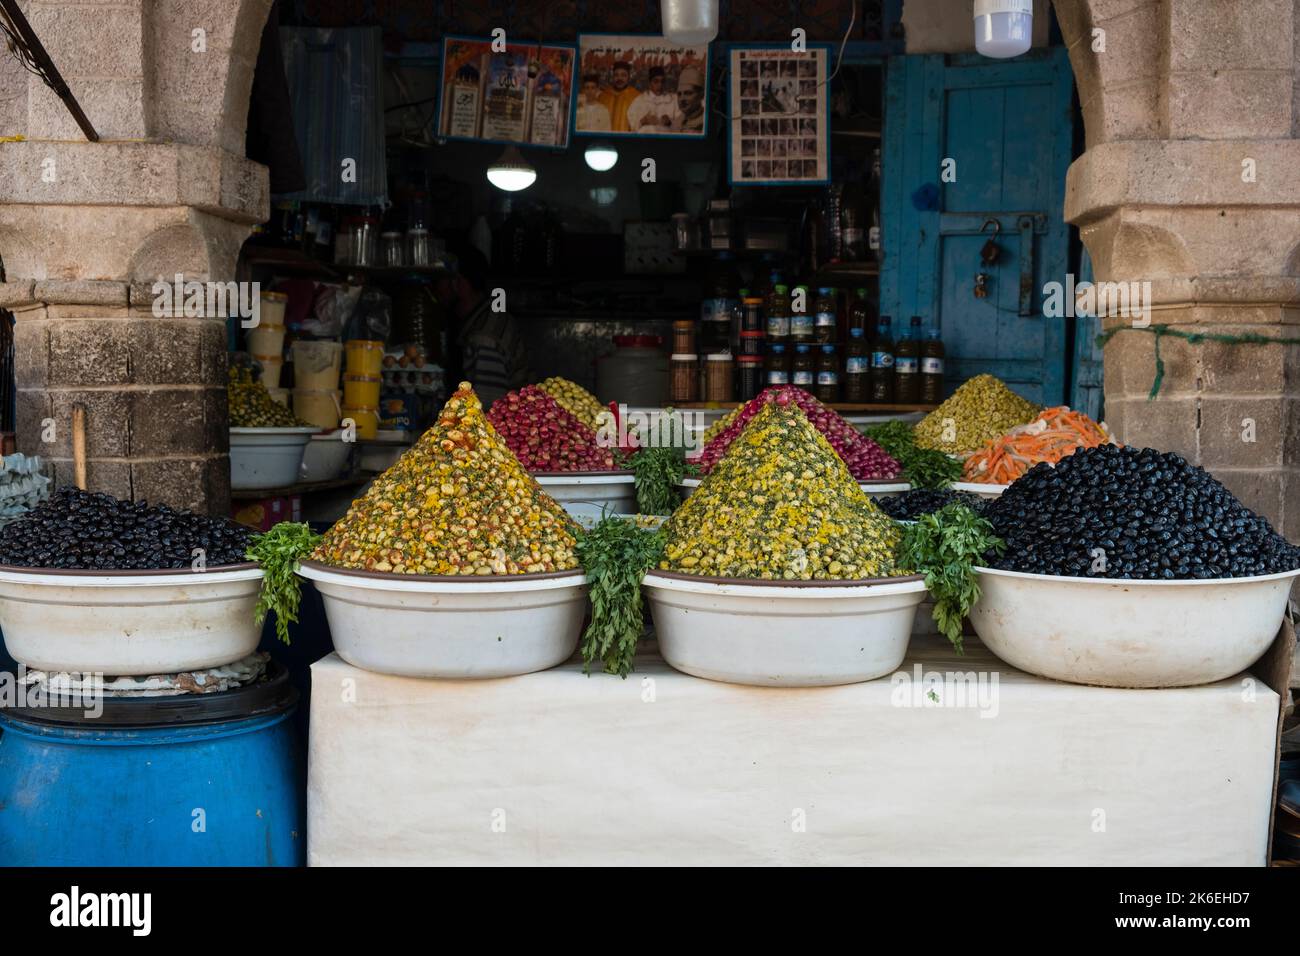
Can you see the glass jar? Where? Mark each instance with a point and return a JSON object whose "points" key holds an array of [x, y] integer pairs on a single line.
{"points": [[749, 372], [777, 365], [684, 377], [417, 246], [803, 370], [751, 316], [363, 240], [828, 375], [719, 385], [390, 245], [751, 343], [684, 336]]}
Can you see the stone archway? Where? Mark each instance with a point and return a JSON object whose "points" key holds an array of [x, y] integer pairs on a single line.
{"points": [[1191, 182], [86, 229]]}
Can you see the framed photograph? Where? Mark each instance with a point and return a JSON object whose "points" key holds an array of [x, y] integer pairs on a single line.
{"points": [[522, 94], [641, 85], [779, 109]]}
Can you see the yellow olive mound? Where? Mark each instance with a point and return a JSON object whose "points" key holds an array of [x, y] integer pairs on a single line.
{"points": [[251, 405], [780, 505], [457, 503], [575, 400], [982, 409]]}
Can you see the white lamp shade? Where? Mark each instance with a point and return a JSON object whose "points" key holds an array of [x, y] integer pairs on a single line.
{"points": [[511, 172], [689, 22], [601, 156], [1004, 28]]}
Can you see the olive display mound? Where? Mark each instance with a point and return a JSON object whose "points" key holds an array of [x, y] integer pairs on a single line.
{"points": [[457, 503]]}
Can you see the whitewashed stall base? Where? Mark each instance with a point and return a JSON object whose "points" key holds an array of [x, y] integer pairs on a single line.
{"points": [[666, 769]]}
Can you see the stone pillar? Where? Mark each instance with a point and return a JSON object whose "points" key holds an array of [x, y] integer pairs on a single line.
{"points": [[1191, 182], [86, 229]]}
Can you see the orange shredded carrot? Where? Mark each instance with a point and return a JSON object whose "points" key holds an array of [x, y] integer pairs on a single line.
{"points": [[1054, 434]]}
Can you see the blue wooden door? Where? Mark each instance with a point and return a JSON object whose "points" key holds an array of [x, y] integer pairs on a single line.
{"points": [[1004, 132]]}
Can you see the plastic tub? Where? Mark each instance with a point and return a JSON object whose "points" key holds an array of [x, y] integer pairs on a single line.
{"points": [[264, 339], [320, 408], [267, 457], [364, 357], [778, 634], [983, 489], [1122, 633], [280, 395], [129, 622], [125, 787], [271, 309], [316, 365], [361, 391], [452, 627], [366, 421], [587, 491], [272, 366], [326, 457]]}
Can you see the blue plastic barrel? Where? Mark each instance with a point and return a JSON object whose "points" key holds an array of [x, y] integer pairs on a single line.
{"points": [[193, 780]]}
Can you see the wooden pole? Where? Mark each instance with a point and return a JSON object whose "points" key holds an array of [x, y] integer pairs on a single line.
{"points": [[79, 445]]}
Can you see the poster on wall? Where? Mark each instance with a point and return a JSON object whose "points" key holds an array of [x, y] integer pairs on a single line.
{"points": [[520, 94], [779, 116], [641, 85]]}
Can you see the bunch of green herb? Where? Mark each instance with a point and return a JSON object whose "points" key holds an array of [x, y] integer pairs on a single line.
{"points": [[278, 552], [616, 555], [657, 473], [922, 467], [946, 546]]}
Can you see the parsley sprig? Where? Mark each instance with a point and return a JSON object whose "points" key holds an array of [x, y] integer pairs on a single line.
{"points": [[278, 552], [616, 555], [946, 546]]}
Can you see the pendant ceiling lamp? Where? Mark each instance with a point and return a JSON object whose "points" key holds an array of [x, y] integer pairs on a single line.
{"points": [[690, 22], [1003, 28], [511, 172], [601, 156]]}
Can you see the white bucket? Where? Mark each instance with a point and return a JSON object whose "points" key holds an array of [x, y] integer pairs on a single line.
{"points": [[320, 408], [1124, 633], [776, 634], [316, 365], [266, 457], [266, 339], [129, 622], [326, 457], [417, 625]]}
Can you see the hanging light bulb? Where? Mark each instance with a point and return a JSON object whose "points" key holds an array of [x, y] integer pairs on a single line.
{"points": [[601, 156], [511, 172], [690, 22], [1004, 28]]}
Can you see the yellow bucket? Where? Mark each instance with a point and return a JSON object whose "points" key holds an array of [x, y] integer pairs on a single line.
{"points": [[319, 407], [366, 419], [361, 391], [365, 356]]}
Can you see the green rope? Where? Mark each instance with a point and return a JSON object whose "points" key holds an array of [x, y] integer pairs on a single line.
{"points": [[1192, 338]]}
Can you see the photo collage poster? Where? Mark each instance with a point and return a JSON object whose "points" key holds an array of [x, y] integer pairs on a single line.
{"points": [[521, 94], [780, 123], [641, 85]]}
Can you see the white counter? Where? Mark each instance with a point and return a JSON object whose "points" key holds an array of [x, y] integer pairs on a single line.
{"points": [[662, 768]]}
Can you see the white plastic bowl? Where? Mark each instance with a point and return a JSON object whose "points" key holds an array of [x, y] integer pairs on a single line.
{"points": [[877, 488], [417, 625], [129, 622], [801, 634], [585, 492], [1121, 633], [980, 488], [325, 457], [267, 457]]}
